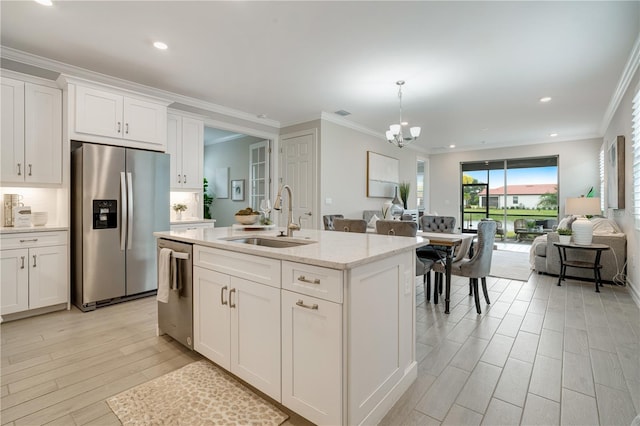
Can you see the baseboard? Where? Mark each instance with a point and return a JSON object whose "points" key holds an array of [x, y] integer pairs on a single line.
{"points": [[33, 312]]}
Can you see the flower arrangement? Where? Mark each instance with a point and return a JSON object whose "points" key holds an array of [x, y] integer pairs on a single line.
{"points": [[179, 207], [564, 231]]}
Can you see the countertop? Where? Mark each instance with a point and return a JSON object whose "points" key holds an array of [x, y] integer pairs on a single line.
{"points": [[191, 220], [45, 228], [330, 249]]}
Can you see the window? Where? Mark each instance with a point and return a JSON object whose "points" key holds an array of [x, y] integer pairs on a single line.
{"points": [[515, 199], [636, 158], [258, 173]]}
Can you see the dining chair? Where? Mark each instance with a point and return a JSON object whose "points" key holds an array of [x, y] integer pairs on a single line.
{"points": [[349, 225], [478, 266], [328, 221], [431, 223], [407, 229]]}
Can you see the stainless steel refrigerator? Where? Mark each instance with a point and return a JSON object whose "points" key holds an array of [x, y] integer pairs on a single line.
{"points": [[119, 197]]}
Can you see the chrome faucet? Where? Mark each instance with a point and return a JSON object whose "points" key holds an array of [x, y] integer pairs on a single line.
{"points": [[291, 225]]}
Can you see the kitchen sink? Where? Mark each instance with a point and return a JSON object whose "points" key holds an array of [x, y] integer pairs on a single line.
{"points": [[270, 242]]}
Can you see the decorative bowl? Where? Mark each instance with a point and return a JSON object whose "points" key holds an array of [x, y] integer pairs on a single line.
{"points": [[39, 218], [248, 219]]}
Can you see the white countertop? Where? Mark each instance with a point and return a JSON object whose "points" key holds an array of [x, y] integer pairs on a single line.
{"points": [[191, 220], [331, 249], [45, 228]]}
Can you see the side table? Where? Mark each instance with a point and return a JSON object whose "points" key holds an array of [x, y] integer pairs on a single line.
{"points": [[595, 265]]}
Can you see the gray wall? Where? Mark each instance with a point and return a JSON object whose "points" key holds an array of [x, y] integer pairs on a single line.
{"points": [[235, 155]]}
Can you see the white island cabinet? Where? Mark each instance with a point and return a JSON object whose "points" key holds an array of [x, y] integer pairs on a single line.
{"points": [[341, 331]]}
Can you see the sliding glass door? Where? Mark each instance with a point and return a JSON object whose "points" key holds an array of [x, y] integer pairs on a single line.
{"points": [[515, 192]]}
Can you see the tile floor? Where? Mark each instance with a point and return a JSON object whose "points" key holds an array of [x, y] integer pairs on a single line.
{"points": [[540, 354]]}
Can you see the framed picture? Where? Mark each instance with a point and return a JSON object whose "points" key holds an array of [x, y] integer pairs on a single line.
{"points": [[615, 173], [237, 190], [383, 175]]}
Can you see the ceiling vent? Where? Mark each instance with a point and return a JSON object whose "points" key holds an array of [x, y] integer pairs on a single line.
{"points": [[342, 113]]}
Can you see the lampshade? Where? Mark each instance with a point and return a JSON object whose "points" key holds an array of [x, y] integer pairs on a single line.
{"points": [[582, 227], [582, 206]]}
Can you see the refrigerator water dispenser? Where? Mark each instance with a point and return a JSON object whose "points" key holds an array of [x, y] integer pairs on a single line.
{"points": [[105, 214]]}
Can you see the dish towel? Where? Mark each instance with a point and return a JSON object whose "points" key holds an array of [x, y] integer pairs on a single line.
{"points": [[165, 275]]}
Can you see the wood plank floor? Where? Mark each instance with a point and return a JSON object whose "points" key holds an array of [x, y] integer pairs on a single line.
{"points": [[540, 354]]}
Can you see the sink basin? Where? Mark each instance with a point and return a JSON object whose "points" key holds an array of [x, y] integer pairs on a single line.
{"points": [[270, 242]]}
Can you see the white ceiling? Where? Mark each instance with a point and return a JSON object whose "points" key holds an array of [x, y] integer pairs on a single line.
{"points": [[474, 71]]}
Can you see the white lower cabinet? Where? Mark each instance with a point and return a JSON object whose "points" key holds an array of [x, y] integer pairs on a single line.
{"points": [[237, 326], [312, 357], [32, 277]]}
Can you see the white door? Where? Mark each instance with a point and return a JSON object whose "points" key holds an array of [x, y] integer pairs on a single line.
{"points": [[14, 287], [255, 334], [43, 134], [192, 153], [12, 136], [47, 276], [99, 112], [298, 169], [312, 357], [144, 121], [174, 135], [258, 173], [211, 315]]}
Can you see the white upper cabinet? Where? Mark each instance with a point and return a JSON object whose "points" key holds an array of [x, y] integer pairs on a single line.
{"points": [[108, 116], [185, 144], [31, 133]]}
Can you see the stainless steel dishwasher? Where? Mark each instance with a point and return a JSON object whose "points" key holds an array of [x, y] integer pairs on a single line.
{"points": [[176, 317]]}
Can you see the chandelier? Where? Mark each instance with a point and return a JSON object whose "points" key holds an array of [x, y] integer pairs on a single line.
{"points": [[394, 134]]}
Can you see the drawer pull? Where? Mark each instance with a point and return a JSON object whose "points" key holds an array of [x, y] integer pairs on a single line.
{"points": [[222, 290], [231, 304], [302, 305], [34, 261], [22, 260], [28, 241], [305, 280]]}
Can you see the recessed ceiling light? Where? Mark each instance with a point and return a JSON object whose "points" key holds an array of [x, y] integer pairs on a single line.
{"points": [[45, 2], [553, 135], [545, 99], [452, 146], [342, 112], [160, 45], [261, 115]]}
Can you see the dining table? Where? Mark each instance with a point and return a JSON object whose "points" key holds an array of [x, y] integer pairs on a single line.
{"points": [[448, 242]]}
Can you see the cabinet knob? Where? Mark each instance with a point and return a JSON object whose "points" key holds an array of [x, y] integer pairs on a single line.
{"points": [[302, 305]]}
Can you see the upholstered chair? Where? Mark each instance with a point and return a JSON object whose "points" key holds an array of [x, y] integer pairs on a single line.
{"points": [[435, 224], [328, 221], [478, 266], [349, 225], [407, 229]]}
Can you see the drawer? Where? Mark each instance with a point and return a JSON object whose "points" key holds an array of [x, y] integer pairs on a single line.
{"points": [[323, 283], [33, 239], [254, 268]]}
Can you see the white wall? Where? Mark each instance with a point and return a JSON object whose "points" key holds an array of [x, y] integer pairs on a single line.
{"points": [[577, 160], [343, 169], [621, 125]]}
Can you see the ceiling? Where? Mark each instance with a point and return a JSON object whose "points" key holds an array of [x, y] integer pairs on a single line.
{"points": [[474, 71]]}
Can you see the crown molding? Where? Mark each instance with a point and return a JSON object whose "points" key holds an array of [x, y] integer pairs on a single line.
{"points": [[336, 119], [82, 73], [625, 80]]}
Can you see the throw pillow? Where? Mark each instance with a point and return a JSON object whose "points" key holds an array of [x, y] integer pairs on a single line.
{"points": [[604, 226], [372, 222]]}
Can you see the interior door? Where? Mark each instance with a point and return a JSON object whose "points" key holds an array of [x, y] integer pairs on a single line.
{"points": [[298, 169]]}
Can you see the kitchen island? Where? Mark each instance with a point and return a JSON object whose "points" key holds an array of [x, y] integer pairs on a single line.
{"points": [[323, 322]]}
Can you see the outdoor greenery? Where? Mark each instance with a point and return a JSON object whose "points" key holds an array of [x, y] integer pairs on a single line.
{"points": [[549, 200], [207, 199]]}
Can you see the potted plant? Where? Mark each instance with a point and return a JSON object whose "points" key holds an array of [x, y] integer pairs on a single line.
{"points": [[404, 192], [179, 208], [564, 235]]}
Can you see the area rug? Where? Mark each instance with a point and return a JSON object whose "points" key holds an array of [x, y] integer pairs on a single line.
{"points": [[196, 394], [510, 264]]}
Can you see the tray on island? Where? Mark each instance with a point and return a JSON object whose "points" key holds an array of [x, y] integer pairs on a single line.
{"points": [[254, 227]]}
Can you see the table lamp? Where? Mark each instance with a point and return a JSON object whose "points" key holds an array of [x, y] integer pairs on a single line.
{"points": [[582, 227]]}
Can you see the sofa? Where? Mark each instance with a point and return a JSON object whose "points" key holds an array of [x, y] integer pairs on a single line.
{"points": [[544, 256]]}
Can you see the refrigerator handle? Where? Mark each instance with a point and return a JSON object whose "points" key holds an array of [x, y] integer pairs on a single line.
{"points": [[123, 211], [130, 209]]}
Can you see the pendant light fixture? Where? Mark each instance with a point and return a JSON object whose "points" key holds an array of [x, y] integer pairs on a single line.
{"points": [[394, 134]]}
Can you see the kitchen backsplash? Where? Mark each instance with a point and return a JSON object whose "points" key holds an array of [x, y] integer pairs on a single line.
{"points": [[191, 200]]}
